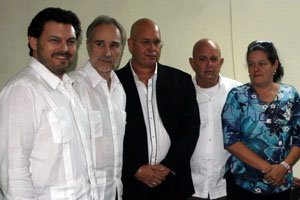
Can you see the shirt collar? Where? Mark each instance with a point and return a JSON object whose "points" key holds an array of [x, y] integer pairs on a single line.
{"points": [[47, 75], [136, 76], [220, 83], [95, 78]]}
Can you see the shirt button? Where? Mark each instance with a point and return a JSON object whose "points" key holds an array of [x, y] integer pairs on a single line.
{"points": [[280, 143]]}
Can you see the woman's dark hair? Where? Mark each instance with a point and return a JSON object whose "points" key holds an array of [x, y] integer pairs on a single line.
{"points": [[269, 49], [58, 15]]}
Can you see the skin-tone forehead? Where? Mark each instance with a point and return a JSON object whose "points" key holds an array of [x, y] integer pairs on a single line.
{"points": [[101, 28], [205, 43], [143, 25]]}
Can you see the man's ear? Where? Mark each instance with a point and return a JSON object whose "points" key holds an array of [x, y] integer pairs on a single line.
{"points": [[33, 42], [192, 63], [130, 44], [221, 61]]}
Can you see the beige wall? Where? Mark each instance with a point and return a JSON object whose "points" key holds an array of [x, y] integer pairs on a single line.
{"points": [[233, 24]]}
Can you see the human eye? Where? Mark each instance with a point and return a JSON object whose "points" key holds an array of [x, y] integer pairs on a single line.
{"points": [[100, 43], [72, 42], [262, 64], [202, 59], [115, 45], [157, 43], [214, 59], [54, 40], [250, 64], [145, 42]]}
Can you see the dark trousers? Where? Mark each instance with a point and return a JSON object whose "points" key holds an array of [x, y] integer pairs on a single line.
{"points": [[235, 192], [198, 198]]}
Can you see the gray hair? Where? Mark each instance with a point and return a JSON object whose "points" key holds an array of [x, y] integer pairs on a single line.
{"points": [[103, 19]]}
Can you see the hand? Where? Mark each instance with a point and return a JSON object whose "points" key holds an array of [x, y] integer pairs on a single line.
{"points": [[161, 170], [151, 175], [275, 174], [296, 181]]}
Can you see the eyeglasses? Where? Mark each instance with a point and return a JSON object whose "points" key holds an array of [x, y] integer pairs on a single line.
{"points": [[147, 43]]}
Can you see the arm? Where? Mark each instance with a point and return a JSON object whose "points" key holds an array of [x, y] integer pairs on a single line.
{"points": [[184, 131], [246, 155], [232, 115], [16, 142], [275, 174]]}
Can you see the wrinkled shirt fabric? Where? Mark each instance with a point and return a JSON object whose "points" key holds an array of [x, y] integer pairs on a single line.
{"points": [[107, 116], [44, 138]]}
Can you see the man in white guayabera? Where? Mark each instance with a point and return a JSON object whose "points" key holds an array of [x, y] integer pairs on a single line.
{"points": [[44, 129], [209, 158], [103, 96]]}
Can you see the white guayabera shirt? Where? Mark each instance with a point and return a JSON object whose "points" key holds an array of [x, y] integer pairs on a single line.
{"points": [[106, 107], [209, 158], [44, 138]]}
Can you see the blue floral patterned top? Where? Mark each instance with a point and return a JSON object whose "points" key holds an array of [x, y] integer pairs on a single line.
{"points": [[269, 130]]}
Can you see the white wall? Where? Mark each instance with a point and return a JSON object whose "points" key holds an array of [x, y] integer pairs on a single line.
{"points": [[232, 23]]}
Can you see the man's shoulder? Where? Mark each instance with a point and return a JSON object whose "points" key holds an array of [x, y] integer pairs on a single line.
{"points": [[172, 71], [228, 82], [21, 84], [123, 69], [25, 77], [78, 74]]}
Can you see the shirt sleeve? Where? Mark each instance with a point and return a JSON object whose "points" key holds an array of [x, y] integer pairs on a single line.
{"points": [[231, 120], [17, 128], [295, 131]]}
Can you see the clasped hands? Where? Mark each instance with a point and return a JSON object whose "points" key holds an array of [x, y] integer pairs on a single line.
{"points": [[275, 174], [152, 175]]}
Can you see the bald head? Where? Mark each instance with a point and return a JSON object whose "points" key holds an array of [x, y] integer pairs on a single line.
{"points": [[143, 24], [206, 44], [206, 62], [144, 44]]}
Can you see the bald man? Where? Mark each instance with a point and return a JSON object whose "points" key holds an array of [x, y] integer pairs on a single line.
{"points": [[162, 121], [209, 158]]}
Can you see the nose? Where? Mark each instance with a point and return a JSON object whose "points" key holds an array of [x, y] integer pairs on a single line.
{"points": [[209, 62], [64, 47], [256, 67], [151, 45], [107, 51]]}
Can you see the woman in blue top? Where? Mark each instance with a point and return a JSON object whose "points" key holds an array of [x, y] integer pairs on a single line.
{"points": [[261, 126]]}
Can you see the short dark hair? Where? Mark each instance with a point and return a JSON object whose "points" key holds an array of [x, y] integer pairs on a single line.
{"points": [[269, 48], [103, 19], [58, 15]]}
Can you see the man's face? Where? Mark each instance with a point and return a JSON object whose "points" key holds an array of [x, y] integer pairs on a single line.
{"points": [[145, 47], [206, 63], [105, 47], [56, 47]]}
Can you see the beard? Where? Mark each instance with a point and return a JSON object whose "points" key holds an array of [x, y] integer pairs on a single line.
{"points": [[102, 68], [58, 69]]}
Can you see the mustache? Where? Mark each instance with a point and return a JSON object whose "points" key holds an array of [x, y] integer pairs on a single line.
{"points": [[66, 54], [105, 59]]}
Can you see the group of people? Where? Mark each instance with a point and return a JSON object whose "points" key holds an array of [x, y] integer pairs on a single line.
{"points": [[135, 133]]}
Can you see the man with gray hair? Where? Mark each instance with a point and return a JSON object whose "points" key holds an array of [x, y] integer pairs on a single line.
{"points": [[103, 96]]}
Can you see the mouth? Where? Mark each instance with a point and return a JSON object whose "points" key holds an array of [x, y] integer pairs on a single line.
{"points": [[106, 61], [151, 56], [61, 56], [257, 75]]}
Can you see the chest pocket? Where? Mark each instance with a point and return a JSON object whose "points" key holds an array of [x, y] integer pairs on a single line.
{"points": [[96, 123], [61, 124]]}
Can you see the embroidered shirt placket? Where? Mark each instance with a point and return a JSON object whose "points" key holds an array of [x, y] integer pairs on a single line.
{"points": [[152, 126]]}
